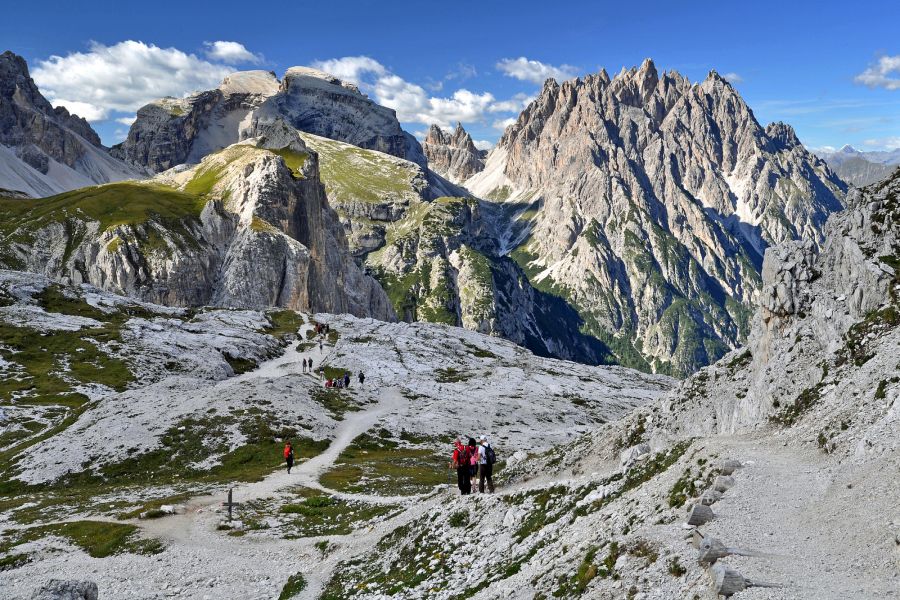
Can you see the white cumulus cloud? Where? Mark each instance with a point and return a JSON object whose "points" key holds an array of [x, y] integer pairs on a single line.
{"points": [[483, 144], [514, 104], [122, 77], [127, 120], [351, 68], [411, 101], [85, 110], [885, 74], [502, 124], [231, 52], [534, 70], [733, 77]]}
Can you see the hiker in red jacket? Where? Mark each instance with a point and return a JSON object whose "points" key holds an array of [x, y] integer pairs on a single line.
{"points": [[460, 461], [289, 455]]}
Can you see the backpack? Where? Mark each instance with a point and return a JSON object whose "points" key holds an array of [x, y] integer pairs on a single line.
{"points": [[462, 456], [490, 455]]}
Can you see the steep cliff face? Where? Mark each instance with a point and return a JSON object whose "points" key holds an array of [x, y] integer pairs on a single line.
{"points": [[655, 201], [368, 189], [822, 354], [171, 131], [321, 104], [453, 155], [439, 263], [44, 150], [249, 227]]}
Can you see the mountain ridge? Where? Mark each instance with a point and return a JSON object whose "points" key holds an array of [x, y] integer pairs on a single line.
{"points": [[660, 191], [46, 150]]}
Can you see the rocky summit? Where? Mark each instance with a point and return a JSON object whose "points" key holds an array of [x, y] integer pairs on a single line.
{"points": [[173, 131], [453, 155], [45, 150], [647, 202]]}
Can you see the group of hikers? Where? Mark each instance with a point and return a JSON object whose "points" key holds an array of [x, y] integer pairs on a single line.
{"points": [[307, 365], [474, 463], [343, 381]]}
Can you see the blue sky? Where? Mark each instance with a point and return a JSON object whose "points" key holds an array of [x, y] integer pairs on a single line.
{"points": [[832, 70]]}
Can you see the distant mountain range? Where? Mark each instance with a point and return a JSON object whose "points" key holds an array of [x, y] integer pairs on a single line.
{"points": [[620, 219], [861, 168]]}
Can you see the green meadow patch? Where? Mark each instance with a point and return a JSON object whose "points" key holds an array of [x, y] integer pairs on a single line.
{"points": [[386, 466]]}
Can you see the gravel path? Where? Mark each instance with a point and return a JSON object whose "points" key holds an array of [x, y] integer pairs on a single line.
{"points": [[793, 503]]}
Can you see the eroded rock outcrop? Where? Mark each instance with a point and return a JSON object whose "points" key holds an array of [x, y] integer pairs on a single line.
{"points": [[173, 131], [249, 227], [453, 155], [824, 339], [68, 589]]}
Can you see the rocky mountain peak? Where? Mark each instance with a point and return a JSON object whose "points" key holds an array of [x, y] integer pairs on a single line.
{"points": [[782, 135], [603, 76], [170, 132], [251, 82], [462, 140], [630, 175], [45, 150], [437, 136], [308, 76], [16, 84], [647, 76], [452, 155]]}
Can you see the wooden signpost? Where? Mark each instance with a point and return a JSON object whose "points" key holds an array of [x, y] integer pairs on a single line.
{"points": [[230, 503]]}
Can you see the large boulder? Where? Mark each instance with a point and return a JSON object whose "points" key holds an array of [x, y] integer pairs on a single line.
{"points": [[66, 589]]}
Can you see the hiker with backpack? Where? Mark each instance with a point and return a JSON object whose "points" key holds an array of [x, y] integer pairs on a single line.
{"points": [[289, 455], [346, 379], [472, 449], [460, 462], [486, 460], [361, 377]]}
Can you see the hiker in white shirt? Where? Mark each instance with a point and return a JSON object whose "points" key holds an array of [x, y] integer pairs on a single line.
{"points": [[486, 460]]}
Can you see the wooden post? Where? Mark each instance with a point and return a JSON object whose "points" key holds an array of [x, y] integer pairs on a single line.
{"points": [[710, 497], [700, 514], [729, 466], [723, 483], [230, 503]]}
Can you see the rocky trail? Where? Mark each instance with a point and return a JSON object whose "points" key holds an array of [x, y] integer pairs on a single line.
{"points": [[196, 549], [803, 518]]}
